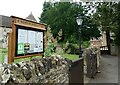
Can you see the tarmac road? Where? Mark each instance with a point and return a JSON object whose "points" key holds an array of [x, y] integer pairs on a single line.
{"points": [[109, 71]]}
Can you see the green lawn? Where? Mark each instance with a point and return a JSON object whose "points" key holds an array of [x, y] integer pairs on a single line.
{"points": [[4, 52], [22, 59], [26, 59], [71, 56]]}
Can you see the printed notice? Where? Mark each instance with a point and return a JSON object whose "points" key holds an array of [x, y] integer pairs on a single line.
{"points": [[29, 41], [22, 36]]}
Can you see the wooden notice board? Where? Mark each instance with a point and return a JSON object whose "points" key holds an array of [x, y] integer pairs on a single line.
{"points": [[27, 39]]}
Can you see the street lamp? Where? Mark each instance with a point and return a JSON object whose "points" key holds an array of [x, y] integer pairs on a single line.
{"points": [[79, 22]]}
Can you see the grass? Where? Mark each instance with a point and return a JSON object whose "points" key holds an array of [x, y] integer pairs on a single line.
{"points": [[22, 59], [25, 59], [71, 56], [4, 52]]}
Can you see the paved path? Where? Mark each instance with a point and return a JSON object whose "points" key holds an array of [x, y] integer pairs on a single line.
{"points": [[109, 71]]}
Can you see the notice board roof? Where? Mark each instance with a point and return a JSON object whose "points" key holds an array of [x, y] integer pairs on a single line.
{"points": [[28, 23]]}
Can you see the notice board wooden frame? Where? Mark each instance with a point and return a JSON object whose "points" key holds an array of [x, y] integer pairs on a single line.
{"points": [[12, 37]]}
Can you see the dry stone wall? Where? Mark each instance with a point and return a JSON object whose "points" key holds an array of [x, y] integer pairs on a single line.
{"points": [[50, 70]]}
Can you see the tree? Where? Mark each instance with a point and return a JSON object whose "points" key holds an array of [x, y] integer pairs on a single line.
{"points": [[107, 16], [117, 31], [61, 15]]}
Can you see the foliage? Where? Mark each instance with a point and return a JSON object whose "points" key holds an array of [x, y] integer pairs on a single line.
{"points": [[62, 15], [117, 32], [52, 42], [49, 44], [107, 15], [86, 44], [71, 48], [49, 50]]}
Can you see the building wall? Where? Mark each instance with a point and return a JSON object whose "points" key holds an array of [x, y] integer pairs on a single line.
{"points": [[99, 42], [1, 37], [4, 36], [95, 43], [0, 21], [103, 39]]}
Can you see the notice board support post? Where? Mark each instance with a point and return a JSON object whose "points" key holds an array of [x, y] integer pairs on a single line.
{"points": [[45, 39], [10, 49]]}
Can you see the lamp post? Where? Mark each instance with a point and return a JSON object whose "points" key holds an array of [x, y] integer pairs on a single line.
{"points": [[79, 22]]}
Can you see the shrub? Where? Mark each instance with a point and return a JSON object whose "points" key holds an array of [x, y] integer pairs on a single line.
{"points": [[52, 43], [85, 44], [49, 50], [71, 48]]}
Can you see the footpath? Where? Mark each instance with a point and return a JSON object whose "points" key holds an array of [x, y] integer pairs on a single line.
{"points": [[109, 71]]}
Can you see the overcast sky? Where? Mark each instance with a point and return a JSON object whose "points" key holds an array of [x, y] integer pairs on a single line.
{"points": [[21, 8]]}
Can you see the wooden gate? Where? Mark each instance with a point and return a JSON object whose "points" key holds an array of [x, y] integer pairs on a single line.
{"points": [[105, 50], [76, 72]]}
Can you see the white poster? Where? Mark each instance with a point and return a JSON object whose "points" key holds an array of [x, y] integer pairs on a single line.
{"points": [[22, 36], [31, 40], [31, 37]]}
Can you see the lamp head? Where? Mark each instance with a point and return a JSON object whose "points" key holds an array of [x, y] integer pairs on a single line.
{"points": [[79, 19]]}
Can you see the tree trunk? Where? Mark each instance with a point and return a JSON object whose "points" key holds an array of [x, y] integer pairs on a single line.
{"points": [[108, 41]]}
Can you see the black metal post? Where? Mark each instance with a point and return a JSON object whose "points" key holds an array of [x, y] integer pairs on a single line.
{"points": [[80, 50]]}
